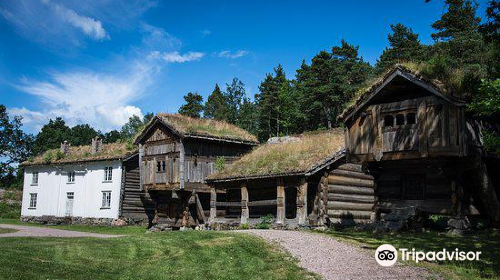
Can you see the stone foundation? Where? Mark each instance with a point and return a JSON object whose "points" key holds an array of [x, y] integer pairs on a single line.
{"points": [[53, 220]]}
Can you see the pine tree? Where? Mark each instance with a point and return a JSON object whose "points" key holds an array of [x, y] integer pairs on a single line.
{"points": [[404, 47], [193, 106], [459, 18], [216, 105], [234, 95], [51, 136]]}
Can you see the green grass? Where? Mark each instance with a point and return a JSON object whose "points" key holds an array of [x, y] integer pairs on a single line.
{"points": [[7, 230], [488, 242], [140, 255]]}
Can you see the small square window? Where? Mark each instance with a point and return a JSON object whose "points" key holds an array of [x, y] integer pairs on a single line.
{"points": [[34, 178], [106, 199], [160, 166], [71, 177], [108, 174], [33, 198]]}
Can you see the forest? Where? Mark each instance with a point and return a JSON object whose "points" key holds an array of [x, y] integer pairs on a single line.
{"points": [[464, 57]]}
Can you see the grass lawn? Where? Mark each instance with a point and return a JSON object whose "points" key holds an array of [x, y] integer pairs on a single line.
{"points": [[140, 255], [488, 242], [6, 230]]}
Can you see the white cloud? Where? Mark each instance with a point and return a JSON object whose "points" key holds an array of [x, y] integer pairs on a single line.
{"points": [[157, 38], [205, 32], [90, 26], [232, 55], [99, 99], [176, 57]]}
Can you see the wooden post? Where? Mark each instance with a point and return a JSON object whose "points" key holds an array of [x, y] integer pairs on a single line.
{"points": [[213, 201], [181, 165], [141, 167], [244, 204], [280, 199], [423, 129], [302, 202]]}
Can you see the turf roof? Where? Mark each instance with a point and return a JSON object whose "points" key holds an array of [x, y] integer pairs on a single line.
{"points": [[200, 127], [313, 150], [113, 151]]}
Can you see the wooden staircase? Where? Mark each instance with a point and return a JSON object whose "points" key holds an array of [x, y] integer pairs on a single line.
{"points": [[351, 195]]}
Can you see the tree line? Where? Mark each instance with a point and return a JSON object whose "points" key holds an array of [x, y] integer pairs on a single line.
{"points": [[464, 55]]}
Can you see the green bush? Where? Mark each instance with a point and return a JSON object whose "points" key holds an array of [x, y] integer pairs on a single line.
{"points": [[220, 163], [10, 211], [48, 157], [243, 226], [438, 222], [266, 222], [59, 155]]}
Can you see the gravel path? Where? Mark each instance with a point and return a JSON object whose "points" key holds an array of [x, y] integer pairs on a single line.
{"points": [[28, 231], [332, 259]]}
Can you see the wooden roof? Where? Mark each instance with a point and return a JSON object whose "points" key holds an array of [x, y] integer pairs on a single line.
{"points": [[82, 154], [312, 152], [364, 97], [210, 129]]}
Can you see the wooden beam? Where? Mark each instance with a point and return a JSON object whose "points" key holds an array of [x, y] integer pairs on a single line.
{"points": [[302, 202], [199, 208], [245, 213], [422, 128], [348, 181], [280, 199], [181, 164], [213, 202], [268, 202], [228, 204]]}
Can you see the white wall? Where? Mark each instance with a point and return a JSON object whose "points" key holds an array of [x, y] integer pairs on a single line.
{"points": [[52, 189]]}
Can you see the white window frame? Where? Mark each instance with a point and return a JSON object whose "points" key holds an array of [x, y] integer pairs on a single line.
{"points": [[106, 200], [71, 177], [108, 174], [34, 178], [33, 200]]}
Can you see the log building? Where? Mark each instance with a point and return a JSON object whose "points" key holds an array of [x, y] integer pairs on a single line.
{"points": [[176, 154]]}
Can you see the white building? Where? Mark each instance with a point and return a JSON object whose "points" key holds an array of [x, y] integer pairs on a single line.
{"points": [[84, 182]]}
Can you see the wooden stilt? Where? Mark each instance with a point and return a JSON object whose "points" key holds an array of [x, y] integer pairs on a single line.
{"points": [[244, 204], [302, 202], [280, 197], [213, 201]]}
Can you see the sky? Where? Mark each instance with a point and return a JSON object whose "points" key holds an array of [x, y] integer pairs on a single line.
{"points": [[102, 61]]}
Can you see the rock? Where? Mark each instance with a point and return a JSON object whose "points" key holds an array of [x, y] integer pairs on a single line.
{"points": [[284, 139], [400, 214], [118, 223], [461, 223]]}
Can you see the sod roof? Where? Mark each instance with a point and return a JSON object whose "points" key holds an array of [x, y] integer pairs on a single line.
{"points": [[313, 150], [80, 154], [186, 126]]}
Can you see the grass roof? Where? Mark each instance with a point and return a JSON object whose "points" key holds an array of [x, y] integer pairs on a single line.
{"points": [[82, 154], [421, 71], [188, 126], [312, 150]]}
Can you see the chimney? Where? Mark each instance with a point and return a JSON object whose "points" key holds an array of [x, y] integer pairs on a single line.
{"points": [[96, 145], [65, 147]]}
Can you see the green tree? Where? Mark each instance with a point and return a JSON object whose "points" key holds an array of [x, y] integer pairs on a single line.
{"points": [[234, 95], [248, 116], [404, 46], [459, 18], [51, 136], [82, 134], [193, 106], [133, 126], [111, 136], [216, 105], [15, 147]]}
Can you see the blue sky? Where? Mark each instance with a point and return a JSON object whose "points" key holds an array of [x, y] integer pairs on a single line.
{"points": [[101, 61]]}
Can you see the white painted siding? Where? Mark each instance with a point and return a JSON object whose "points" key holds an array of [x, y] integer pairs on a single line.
{"points": [[53, 186]]}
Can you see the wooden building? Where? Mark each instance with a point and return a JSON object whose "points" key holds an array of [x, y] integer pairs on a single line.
{"points": [[176, 154], [294, 180], [414, 137]]}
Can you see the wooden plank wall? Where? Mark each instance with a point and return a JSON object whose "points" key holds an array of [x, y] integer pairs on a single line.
{"points": [[136, 205]]}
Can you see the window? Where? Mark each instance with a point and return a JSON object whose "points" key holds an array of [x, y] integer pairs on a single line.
{"points": [[388, 121], [400, 119], [160, 166], [106, 200], [34, 178], [33, 197], [71, 177], [411, 118], [108, 174]]}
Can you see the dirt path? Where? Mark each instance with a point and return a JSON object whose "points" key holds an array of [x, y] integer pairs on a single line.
{"points": [[332, 259], [28, 231]]}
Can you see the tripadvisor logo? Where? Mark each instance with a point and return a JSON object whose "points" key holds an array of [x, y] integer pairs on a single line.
{"points": [[387, 255]]}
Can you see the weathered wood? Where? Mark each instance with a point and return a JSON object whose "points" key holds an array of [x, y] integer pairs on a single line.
{"points": [[346, 214], [199, 208], [437, 206], [213, 204], [341, 205], [302, 202], [351, 198], [244, 205], [349, 221], [341, 180], [181, 164], [267, 202], [350, 189], [351, 167], [351, 174], [280, 201], [228, 204]]}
